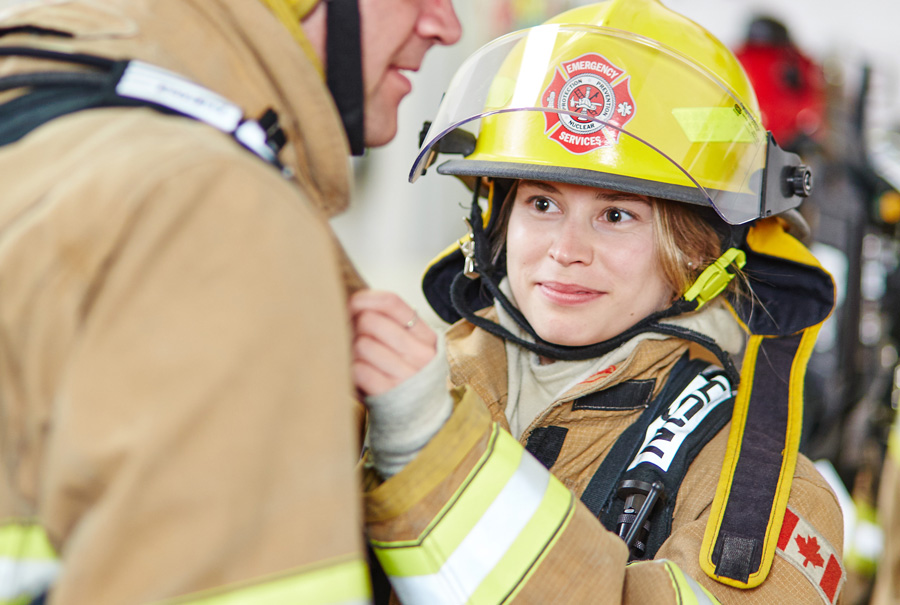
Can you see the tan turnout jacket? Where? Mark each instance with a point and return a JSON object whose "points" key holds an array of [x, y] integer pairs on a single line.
{"points": [[887, 580], [584, 563], [174, 350]]}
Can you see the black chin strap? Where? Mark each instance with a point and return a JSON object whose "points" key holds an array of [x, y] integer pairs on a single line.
{"points": [[463, 288], [344, 68]]}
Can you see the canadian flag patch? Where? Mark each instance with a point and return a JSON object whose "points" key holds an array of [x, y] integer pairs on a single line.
{"points": [[805, 548]]}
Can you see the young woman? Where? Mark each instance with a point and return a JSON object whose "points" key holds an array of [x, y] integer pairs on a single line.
{"points": [[625, 266]]}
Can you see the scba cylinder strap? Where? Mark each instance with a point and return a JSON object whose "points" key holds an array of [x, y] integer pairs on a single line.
{"points": [[112, 83]]}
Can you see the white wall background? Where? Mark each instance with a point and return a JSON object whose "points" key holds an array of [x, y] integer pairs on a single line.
{"points": [[394, 228]]}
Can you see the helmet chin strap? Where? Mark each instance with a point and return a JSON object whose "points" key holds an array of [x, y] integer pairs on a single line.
{"points": [[343, 71], [463, 286]]}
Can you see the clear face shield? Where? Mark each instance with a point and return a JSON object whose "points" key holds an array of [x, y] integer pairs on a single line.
{"points": [[603, 107]]}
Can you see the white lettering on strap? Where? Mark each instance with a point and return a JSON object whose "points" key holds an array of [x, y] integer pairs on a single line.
{"points": [[150, 83], [665, 435]]}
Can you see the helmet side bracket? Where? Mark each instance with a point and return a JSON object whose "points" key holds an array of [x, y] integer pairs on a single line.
{"points": [[785, 178]]}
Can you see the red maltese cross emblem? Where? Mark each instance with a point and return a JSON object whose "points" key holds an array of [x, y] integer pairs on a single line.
{"points": [[596, 95]]}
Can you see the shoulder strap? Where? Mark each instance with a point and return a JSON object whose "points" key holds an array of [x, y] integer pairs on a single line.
{"points": [[648, 462], [740, 540], [111, 83], [669, 447], [599, 492]]}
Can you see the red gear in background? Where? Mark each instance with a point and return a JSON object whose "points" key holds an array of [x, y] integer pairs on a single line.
{"points": [[789, 86]]}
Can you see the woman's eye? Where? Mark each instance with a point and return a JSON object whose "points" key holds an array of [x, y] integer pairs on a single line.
{"points": [[542, 204], [615, 215]]}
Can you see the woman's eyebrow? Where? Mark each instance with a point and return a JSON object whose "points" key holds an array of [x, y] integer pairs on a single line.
{"points": [[539, 185], [620, 196]]}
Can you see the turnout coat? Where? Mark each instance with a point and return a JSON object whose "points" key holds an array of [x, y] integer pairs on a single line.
{"points": [[175, 410], [562, 553]]}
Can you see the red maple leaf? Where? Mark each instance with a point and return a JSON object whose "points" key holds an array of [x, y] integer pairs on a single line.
{"points": [[809, 548]]}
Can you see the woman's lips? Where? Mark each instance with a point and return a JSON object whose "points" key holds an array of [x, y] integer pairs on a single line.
{"points": [[568, 294]]}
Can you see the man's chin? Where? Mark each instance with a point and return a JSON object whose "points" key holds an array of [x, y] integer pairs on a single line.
{"points": [[379, 131]]}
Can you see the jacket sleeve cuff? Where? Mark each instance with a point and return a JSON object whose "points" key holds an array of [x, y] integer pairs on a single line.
{"points": [[441, 465]]}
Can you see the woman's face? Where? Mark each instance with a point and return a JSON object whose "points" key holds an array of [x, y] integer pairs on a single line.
{"points": [[582, 261]]}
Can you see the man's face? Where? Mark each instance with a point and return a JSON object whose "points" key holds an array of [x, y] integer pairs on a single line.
{"points": [[396, 34]]}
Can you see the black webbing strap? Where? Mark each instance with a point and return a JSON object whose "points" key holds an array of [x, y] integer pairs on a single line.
{"points": [[344, 70], [599, 493], [53, 94], [738, 549]]}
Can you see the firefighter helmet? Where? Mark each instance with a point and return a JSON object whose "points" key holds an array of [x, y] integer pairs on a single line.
{"points": [[625, 95]]}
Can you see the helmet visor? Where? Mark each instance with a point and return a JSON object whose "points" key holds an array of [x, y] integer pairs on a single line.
{"points": [[601, 106]]}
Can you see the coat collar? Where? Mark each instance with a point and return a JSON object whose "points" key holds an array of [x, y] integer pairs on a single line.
{"points": [[478, 358]]}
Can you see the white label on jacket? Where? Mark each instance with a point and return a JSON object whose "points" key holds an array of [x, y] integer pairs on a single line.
{"points": [[806, 549], [666, 434], [150, 83]]}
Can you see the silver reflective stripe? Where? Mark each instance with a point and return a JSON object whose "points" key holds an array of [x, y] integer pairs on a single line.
{"points": [[700, 594], [484, 546], [25, 578]]}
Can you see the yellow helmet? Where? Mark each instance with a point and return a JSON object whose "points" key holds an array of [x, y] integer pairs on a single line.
{"points": [[625, 95]]}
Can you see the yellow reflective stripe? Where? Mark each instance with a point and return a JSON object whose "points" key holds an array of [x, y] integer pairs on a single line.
{"points": [[341, 583], [479, 550], [713, 124], [687, 590], [28, 563], [894, 440], [862, 551], [25, 540], [451, 525]]}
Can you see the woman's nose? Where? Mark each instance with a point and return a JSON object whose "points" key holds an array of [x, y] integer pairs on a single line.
{"points": [[571, 245]]}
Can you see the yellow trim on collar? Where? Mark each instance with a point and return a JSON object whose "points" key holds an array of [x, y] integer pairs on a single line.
{"points": [[301, 8], [290, 12], [768, 236]]}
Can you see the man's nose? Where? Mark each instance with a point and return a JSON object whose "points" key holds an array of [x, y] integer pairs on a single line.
{"points": [[438, 21]]}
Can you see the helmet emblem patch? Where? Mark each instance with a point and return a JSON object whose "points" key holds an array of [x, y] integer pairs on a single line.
{"points": [[596, 94]]}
